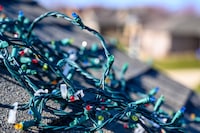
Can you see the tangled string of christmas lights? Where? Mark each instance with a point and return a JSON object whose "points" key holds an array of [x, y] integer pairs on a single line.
{"points": [[56, 70]]}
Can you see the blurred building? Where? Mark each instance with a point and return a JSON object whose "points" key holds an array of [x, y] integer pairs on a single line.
{"points": [[147, 31], [175, 34]]}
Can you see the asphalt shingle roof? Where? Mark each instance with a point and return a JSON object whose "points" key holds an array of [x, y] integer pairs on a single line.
{"points": [[140, 76]]}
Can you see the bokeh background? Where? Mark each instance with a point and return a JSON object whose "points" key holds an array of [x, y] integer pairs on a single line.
{"points": [[164, 34]]}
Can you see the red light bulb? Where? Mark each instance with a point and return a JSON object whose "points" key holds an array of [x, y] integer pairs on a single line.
{"points": [[102, 107], [125, 125], [1, 8], [88, 108], [72, 98], [34, 61], [21, 53]]}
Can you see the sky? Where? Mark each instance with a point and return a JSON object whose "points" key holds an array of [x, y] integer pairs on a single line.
{"points": [[172, 5]]}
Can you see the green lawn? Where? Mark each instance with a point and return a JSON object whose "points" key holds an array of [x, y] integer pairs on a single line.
{"points": [[197, 89], [187, 61], [177, 62]]}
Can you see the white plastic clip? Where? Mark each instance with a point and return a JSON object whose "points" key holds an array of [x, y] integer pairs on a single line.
{"points": [[79, 92], [38, 92], [139, 129], [26, 50], [63, 90], [12, 114]]}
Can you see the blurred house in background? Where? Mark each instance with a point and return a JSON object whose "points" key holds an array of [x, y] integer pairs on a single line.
{"points": [[175, 34], [146, 31]]}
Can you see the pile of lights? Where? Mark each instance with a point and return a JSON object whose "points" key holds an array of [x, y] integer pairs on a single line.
{"points": [[60, 72]]}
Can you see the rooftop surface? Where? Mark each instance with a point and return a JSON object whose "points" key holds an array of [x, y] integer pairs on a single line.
{"points": [[140, 76]]}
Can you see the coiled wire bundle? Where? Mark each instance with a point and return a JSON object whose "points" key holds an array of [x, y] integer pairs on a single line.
{"points": [[61, 72]]}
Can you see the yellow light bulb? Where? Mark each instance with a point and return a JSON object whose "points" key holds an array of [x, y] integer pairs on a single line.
{"points": [[134, 118], [45, 67], [100, 117], [192, 116], [107, 80], [18, 126], [71, 40]]}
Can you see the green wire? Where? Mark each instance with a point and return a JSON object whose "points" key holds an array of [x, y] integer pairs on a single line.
{"points": [[105, 96]]}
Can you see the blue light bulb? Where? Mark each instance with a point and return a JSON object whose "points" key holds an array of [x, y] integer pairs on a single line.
{"points": [[152, 99], [74, 15], [21, 13], [157, 89], [182, 110]]}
